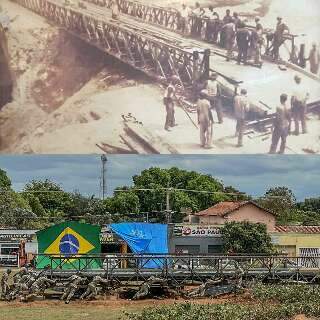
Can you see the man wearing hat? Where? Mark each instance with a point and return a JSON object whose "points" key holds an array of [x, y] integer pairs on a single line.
{"points": [[213, 94], [241, 107], [281, 29], [298, 106]]}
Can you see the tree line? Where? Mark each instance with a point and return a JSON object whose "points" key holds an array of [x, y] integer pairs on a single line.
{"points": [[42, 203]]}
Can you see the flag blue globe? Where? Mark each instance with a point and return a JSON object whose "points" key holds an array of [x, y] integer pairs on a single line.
{"points": [[69, 245]]}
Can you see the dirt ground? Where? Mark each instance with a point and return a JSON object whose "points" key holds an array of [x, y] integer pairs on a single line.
{"points": [[68, 97]]}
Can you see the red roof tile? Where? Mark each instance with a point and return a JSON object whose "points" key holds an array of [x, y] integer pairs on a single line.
{"points": [[298, 229], [223, 208]]}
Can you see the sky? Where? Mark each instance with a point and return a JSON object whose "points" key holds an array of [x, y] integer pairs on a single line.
{"points": [[250, 174]]}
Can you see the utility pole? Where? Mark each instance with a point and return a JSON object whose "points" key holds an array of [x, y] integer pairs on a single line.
{"points": [[168, 212], [103, 175]]}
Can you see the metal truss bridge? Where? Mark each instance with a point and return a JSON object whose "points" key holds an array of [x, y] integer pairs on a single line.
{"points": [[182, 270], [143, 47], [148, 38]]}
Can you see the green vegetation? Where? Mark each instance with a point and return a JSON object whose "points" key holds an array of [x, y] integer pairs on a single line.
{"points": [[45, 202], [272, 302], [246, 237]]}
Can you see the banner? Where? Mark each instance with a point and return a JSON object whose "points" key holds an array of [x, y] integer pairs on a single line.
{"points": [[67, 241], [144, 238]]}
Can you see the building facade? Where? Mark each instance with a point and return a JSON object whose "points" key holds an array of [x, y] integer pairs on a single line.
{"points": [[238, 211]]}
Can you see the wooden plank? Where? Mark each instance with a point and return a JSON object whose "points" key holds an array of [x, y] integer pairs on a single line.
{"points": [[153, 143]]}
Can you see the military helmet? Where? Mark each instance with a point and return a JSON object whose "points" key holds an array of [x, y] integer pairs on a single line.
{"points": [[9, 270]]}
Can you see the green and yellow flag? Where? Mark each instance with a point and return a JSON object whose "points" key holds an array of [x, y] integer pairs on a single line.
{"points": [[66, 242]]}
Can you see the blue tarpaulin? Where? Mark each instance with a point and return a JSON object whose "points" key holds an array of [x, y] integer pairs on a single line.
{"points": [[144, 238]]}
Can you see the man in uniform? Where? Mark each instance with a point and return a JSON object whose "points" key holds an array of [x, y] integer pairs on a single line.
{"points": [[92, 289], [243, 39], [168, 100], [146, 286], [278, 38], [281, 126], [72, 286], [238, 277], [5, 288], [23, 271], [40, 285], [201, 291], [205, 121], [298, 106], [213, 92], [241, 107], [314, 59]]}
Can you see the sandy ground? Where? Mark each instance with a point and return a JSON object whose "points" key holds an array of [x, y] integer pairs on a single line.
{"points": [[63, 105]]}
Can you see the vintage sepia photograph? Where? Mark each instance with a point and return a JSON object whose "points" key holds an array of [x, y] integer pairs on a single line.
{"points": [[159, 77]]}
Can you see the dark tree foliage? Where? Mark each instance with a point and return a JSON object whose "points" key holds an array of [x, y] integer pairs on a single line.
{"points": [[246, 237]]}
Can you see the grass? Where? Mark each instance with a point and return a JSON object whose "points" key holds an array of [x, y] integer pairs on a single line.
{"points": [[62, 312]]}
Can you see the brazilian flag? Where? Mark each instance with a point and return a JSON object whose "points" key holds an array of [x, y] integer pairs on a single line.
{"points": [[69, 245]]}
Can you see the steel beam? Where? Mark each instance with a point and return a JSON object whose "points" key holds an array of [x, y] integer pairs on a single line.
{"points": [[170, 19], [136, 47], [186, 269]]}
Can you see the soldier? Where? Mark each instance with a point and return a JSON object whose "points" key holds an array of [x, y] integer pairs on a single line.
{"points": [[40, 285], [168, 100], [229, 33], [17, 277], [314, 59], [5, 288], [278, 37], [298, 106], [72, 286], [243, 39], [238, 277], [241, 107], [205, 121], [22, 287], [281, 126], [92, 289], [201, 291], [146, 286]]}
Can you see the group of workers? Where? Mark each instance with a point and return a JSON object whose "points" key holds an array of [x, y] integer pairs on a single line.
{"points": [[27, 284], [233, 33], [290, 109], [230, 32]]}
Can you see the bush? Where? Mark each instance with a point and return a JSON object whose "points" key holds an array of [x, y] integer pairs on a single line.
{"points": [[286, 301]]}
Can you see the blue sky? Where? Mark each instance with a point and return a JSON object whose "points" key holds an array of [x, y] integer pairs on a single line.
{"points": [[251, 174]]}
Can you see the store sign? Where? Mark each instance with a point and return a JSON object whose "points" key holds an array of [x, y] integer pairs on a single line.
{"points": [[197, 231], [106, 237], [16, 236]]}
